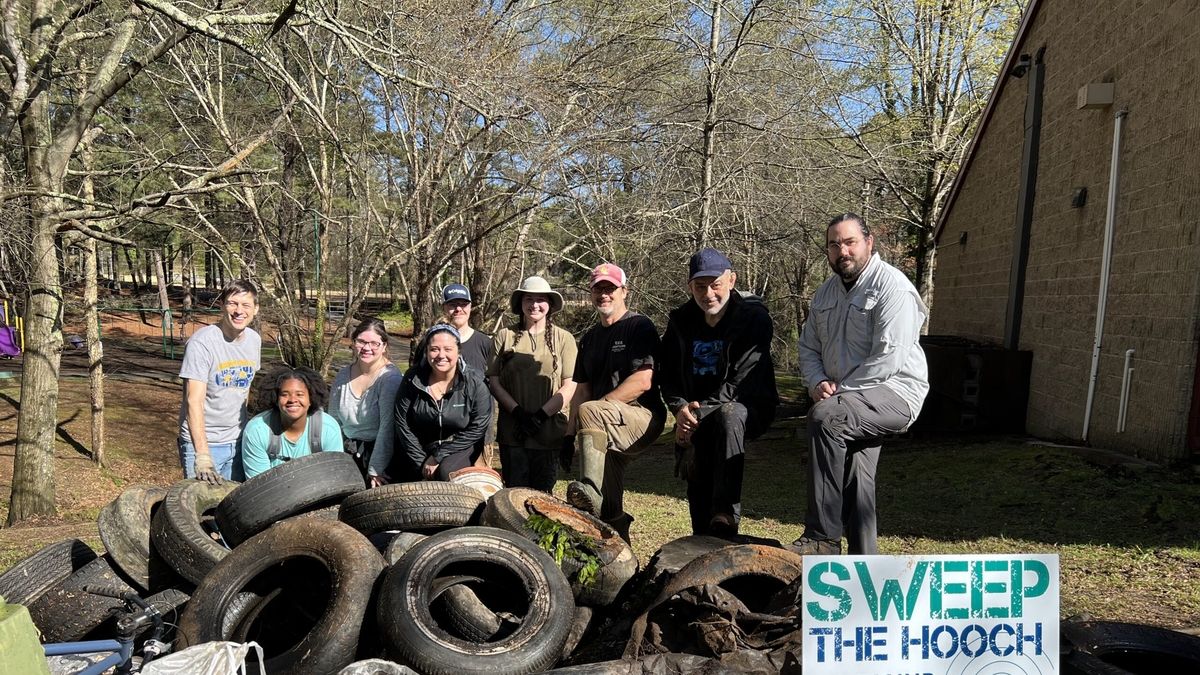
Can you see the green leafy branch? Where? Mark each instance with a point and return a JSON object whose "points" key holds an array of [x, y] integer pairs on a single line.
{"points": [[563, 543]]}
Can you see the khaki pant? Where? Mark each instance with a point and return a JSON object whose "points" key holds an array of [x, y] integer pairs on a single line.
{"points": [[630, 428]]}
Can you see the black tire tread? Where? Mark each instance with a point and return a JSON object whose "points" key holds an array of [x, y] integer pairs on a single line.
{"points": [[28, 579], [67, 612], [411, 506], [303, 484]]}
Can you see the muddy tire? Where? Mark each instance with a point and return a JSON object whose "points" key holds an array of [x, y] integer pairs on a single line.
{"points": [[28, 579], [67, 612], [426, 506], [519, 579], [746, 570], [400, 544], [182, 530], [124, 526], [1112, 648], [309, 582], [308, 483], [510, 509]]}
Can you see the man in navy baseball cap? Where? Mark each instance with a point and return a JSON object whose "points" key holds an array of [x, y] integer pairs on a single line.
{"points": [[718, 381]]}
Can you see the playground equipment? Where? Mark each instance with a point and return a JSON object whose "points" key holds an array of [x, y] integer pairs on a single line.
{"points": [[12, 333]]}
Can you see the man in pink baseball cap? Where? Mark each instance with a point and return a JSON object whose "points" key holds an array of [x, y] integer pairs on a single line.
{"points": [[616, 410]]}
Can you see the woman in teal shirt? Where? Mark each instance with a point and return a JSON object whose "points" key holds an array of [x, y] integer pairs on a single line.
{"points": [[294, 426]]}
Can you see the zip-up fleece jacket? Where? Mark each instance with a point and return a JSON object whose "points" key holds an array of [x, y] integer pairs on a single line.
{"points": [[427, 428], [747, 373]]}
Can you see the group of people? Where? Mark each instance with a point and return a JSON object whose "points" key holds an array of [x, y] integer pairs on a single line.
{"points": [[603, 399]]}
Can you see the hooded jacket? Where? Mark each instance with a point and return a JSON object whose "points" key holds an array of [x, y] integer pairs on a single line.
{"points": [[427, 428], [744, 366]]}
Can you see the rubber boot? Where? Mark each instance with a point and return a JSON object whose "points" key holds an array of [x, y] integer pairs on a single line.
{"points": [[587, 493], [621, 524]]}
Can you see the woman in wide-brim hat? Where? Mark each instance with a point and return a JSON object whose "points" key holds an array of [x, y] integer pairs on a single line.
{"points": [[531, 377]]}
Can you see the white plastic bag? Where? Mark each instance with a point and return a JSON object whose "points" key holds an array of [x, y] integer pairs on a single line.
{"points": [[209, 658]]}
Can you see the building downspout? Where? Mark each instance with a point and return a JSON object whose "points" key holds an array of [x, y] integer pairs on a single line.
{"points": [[1110, 222], [1025, 197]]}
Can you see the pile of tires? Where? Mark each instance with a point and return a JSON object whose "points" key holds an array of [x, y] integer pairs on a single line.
{"points": [[322, 573]]}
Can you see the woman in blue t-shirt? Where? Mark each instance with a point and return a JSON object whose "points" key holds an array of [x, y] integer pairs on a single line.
{"points": [[293, 426]]}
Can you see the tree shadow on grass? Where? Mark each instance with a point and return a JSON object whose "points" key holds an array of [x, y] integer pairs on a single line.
{"points": [[969, 488], [60, 429]]}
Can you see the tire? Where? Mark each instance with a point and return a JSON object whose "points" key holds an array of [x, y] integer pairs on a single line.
{"points": [[124, 526], [400, 545], [466, 615], [28, 579], [315, 579], [308, 483], [1111, 648], [518, 576], [751, 569], [67, 612], [178, 529], [510, 509], [580, 623], [426, 506]]}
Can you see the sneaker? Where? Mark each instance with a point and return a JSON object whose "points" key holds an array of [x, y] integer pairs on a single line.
{"points": [[809, 546], [722, 525], [584, 497]]}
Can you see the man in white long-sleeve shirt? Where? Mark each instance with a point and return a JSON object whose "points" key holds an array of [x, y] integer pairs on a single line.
{"points": [[866, 373]]}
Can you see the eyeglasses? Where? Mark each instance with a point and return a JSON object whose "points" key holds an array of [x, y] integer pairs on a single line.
{"points": [[834, 246], [363, 344]]}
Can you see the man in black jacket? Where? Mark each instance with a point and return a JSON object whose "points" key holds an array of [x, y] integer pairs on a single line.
{"points": [[718, 379]]}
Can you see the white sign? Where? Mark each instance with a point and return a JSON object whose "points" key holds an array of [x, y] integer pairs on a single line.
{"points": [[930, 615]]}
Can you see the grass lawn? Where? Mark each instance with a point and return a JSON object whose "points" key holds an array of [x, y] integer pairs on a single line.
{"points": [[1126, 536]]}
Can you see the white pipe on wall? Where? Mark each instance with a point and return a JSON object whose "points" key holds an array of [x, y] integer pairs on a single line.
{"points": [[1126, 380], [1110, 221]]}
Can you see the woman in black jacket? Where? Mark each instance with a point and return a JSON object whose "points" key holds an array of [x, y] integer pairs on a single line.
{"points": [[442, 409]]}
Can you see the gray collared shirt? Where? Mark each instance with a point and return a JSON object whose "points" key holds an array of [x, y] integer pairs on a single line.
{"points": [[867, 336]]}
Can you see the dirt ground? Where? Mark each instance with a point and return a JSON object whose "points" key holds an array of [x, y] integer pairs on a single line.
{"points": [[140, 427]]}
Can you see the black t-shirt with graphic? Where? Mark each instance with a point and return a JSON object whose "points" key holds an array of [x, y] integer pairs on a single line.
{"points": [[707, 347], [609, 354]]}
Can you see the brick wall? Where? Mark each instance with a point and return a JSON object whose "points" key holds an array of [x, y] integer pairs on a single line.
{"points": [[1150, 49]]}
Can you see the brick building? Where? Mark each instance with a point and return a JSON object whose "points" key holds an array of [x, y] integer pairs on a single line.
{"points": [[1133, 64]]}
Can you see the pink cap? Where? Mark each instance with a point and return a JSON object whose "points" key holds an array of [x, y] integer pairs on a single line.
{"points": [[608, 272]]}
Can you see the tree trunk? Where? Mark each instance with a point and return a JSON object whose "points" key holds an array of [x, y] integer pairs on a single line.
{"points": [[187, 279], [33, 467], [95, 351], [703, 229]]}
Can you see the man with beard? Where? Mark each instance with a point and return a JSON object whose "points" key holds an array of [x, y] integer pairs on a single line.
{"points": [[865, 371], [719, 381], [616, 407]]}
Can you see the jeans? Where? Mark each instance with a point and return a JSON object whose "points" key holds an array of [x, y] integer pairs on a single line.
{"points": [[225, 457]]}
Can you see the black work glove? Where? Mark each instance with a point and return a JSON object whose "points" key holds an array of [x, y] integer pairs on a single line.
{"points": [[566, 453], [532, 422], [518, 415], [684, 456]]}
